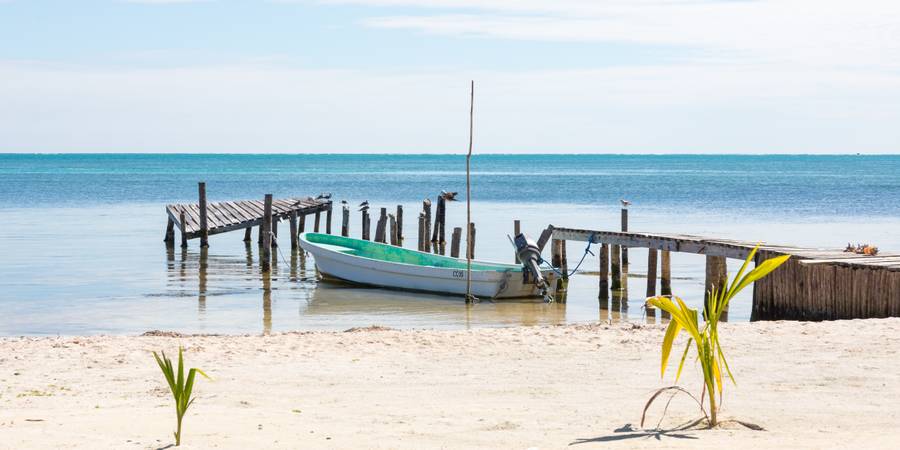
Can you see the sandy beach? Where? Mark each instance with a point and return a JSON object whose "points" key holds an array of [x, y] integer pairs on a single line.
{"points": [[810, 385]]}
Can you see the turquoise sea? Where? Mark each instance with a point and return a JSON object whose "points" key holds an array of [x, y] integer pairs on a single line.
{"points": [[83, 252]]}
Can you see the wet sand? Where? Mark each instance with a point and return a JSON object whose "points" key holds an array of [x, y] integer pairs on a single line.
{"points": [[810, 385]]}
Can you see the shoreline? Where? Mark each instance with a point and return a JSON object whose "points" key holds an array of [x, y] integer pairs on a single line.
{"points": [[809, 384]]}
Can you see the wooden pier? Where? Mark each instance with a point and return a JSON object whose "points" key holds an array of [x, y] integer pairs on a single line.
{"points": [[815, 284]]}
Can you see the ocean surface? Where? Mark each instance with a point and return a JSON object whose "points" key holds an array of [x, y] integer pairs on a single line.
{"points": [[82, 249]]}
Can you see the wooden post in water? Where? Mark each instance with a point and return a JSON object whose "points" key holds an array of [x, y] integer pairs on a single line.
{"points": [[247, 234], [421, 243], [302, 226], [624, 249], [265, 258], [345, 221], [716, 275], [393, 229], [400, 225], [665, 278], [204, 229], [366, 228], [426, 207], [604, 276], [517, 228], [379, 227], [294, 243], [183, 230], [438, 238], [328, 219], [651, 271], [316, 224], [454, 242], [470, 244], [564, 259], [616, 268], [555, 254], [274, 232], [169, 239]]}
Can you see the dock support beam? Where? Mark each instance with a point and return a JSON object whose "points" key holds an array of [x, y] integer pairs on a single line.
{"points": [[651, 271], [604, 276], [454, 242], [665, 279], [517, 228], [204, 229], [265, 259], [616, 267], [716, 275], [328, 219], [294, 243], [170, 233], [183, 227], [316, 224], [624, 250], [247, 232]]}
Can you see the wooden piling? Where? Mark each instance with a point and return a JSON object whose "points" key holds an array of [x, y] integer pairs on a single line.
{"points": [[302, 226], [555, 253], [293, 228], [564, 267], [716, 275], [604, 275], [380, 226], [204, 228], [438, 239], [426, 208], [169, 239], [248, 234], [265, 258], [616, 267], [183, 227], [345, 221], [274, 232], [454, 242], [517, 225], [328, 219], [470, 242], [366, 225], [316, 224], [665, 279], [399, 216], [393, 229], [651, 272], [624, 251], [422, 239]]}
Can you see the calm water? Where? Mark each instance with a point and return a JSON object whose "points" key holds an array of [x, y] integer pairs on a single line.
{"points": [[83, 251]]}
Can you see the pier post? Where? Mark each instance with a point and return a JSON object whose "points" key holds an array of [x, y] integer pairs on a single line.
{"points": [[170, 233], [265, 259], [379, 227], [454, 242], [652, 258], [616, 267], [204, 229], [604, 276], [426, 207], [294, 243], [247, 232], [366, 228], [438, 238], [564, 259], [316, 224], [665, 279], [517, 228], [183, 230], [274, 232], [624, 249], [328, 219], [302, 225], [393, 229], [470, 242], [716, 275], [345, 221], [421, 243], [555, 255], [400, 225]]}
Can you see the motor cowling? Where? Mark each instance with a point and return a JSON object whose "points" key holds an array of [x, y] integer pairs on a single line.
{"points": [[530, 256]]}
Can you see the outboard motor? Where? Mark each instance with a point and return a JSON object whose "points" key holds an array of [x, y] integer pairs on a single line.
{"points": [[530, 256]]}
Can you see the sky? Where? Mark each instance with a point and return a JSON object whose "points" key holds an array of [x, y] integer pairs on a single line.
{"points": [[365, 76]]}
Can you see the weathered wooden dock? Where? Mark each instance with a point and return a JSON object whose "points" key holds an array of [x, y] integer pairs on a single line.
{"points": [[815, 284]]}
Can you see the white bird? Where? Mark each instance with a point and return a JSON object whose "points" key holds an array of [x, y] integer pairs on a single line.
{"points": [[449, 196], [324, 196], [625, 203]]}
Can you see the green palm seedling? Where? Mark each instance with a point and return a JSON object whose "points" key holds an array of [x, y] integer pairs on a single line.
{"points": [[706, 338], [181, 387]]}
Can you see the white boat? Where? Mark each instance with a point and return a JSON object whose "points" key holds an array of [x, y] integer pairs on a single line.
{"points": [[382, 265]]}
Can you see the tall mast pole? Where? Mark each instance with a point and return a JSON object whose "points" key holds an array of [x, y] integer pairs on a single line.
{"points": [[469, 297]]}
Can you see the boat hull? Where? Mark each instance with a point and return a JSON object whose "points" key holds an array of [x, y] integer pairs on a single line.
{"points": [[489, 280]]}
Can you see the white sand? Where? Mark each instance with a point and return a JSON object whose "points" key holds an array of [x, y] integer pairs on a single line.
{"points": [[811, 385]]}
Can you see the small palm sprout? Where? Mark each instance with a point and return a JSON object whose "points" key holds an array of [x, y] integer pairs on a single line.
{"points": [[706, 339], [181, 387]]}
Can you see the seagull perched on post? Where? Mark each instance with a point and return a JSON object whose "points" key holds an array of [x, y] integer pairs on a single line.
{"points": [[625, 203], [365, 203], [324, 196], [449, 196]]}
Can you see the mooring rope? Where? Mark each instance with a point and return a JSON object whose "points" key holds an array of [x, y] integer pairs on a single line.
{"points": [[583, 257]]}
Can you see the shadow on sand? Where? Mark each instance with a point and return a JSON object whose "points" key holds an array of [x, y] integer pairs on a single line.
{"points": [[627, 431]]}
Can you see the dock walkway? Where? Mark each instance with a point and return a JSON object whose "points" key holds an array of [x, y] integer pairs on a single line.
{"points": [[229, 216]]}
